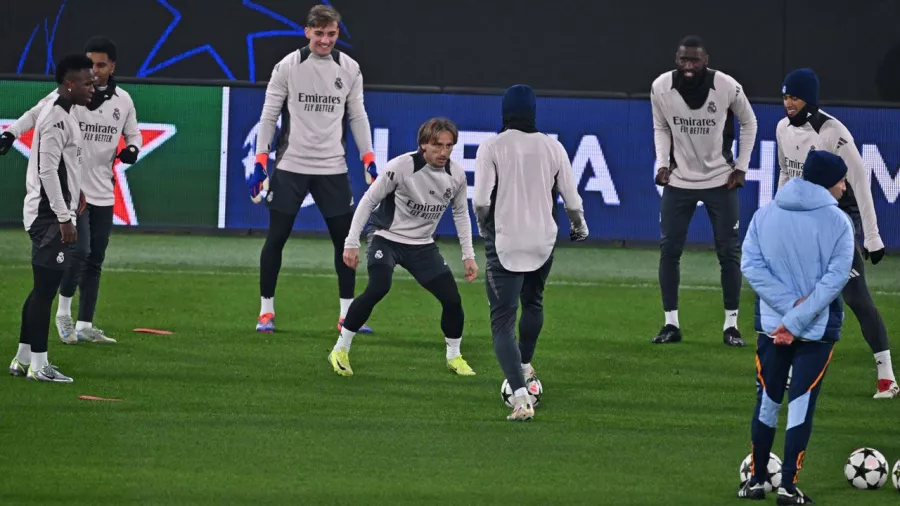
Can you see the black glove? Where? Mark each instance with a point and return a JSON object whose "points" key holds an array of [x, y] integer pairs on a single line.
{"points": [[128, 155], [6, 141], [876, 256]]}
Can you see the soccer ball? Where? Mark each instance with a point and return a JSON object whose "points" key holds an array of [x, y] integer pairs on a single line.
{"points": [[866, 469], [774, 468], [895, 475], [535, 391]]}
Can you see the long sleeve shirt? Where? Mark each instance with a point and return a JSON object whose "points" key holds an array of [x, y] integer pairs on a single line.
{"points": [[314, 95], [408, 199], [696, 143], [102, 123], [518, 177]]}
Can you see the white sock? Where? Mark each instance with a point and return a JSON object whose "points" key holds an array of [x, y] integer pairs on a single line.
{"points": [[883, 362], [80, 325], [672, 318], [730, 318], [267, 305], [452, 347], [527, 370], [65, 306], [345, 305], [24, 354], [38, 360], [343, 343], [521, 395]]}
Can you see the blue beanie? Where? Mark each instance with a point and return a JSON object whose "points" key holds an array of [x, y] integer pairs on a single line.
{"points": [[519, 101], [824, 168], [804, 84]]}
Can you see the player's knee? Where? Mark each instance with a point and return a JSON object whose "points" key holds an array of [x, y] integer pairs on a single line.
{"points": [[504, 313], [669, 248], [338, 228], [46, 285], [93, 266], [856, 297], [532, 305], [81, 252], [380, 280], [728, 250]]}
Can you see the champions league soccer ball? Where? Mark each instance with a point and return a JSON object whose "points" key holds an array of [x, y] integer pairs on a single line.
{"points": [[895, 475], [866, 469], [774, 468], [535, 391]]}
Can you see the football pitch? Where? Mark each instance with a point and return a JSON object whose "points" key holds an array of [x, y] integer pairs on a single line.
{"points": [[218, 414]]}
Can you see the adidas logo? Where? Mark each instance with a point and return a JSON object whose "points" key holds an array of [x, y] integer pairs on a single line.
{"points": [[60, 125], [854, 273]]}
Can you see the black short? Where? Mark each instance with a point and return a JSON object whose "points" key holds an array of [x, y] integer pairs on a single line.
{"points": [[423, 261], [288, 190], [47, 248]]}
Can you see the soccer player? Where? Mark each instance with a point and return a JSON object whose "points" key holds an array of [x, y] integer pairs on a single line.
{"points": [[53, 199], [408, 201], [518, 175], [806, 128], [109, 115], [693, 126], [797, 257], [316, 87]]}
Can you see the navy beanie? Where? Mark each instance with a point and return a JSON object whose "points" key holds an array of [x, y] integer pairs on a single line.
{"points": [[802, 83], [519, 101], [824, 168]]}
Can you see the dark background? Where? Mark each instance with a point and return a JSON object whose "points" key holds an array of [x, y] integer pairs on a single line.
{"points": [[597, 45]]}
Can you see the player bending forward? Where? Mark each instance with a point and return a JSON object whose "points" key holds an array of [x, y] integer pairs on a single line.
{"points": [[411, 196], [807, 128]]}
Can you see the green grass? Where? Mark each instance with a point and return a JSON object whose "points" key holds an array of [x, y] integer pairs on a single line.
{"points": [[216, 414]]}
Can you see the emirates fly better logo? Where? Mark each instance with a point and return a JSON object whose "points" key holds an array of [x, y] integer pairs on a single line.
{"points": [[153, 135]]}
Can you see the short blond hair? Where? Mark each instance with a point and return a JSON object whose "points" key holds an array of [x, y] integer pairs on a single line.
{"points": [[321, 16], [431, 129]]}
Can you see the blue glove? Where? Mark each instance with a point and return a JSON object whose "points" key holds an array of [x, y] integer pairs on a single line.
{"points": [[371, 173], [259, 181]]}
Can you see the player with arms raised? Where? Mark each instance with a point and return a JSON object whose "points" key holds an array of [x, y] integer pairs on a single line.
{"points": [[108, 116], [315, 88], [408, 201], [805, 129], [53, 200]]}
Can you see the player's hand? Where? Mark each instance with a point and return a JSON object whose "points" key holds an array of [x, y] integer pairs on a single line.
{"points": [[783, 336], [351, 257], [128, 155], [876, 256], [662, 176], [736, 179], [471, 269], [69, 232], [800, 301], [6, 141], [371, 173], [259, 181], [578, 233], [82, 204]]}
